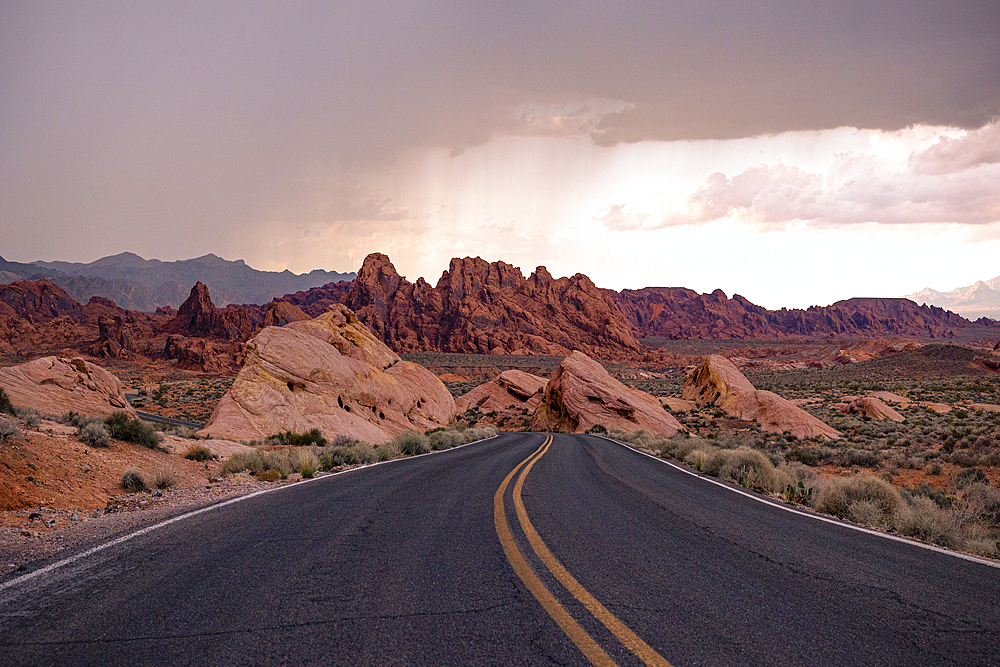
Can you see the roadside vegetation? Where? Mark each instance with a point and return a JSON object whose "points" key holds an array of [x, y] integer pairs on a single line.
{"points": [[961, 512], [305, 454]]}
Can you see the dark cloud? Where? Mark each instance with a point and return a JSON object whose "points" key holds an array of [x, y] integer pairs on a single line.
{"points": [[188, 116]]}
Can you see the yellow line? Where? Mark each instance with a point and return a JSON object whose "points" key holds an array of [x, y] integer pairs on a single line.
{"points": [[610, 621], [577, 634]]}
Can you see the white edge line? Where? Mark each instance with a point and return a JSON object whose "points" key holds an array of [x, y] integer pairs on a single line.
{"points": [[148, 529], [816, 517]]}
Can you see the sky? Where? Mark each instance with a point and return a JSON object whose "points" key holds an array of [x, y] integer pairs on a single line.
{"points": [[793, 151]]}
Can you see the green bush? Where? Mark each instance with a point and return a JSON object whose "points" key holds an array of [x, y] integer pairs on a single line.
{"points": [[29, 417], [8, 429], [411, 443], [134, 481], [308, 463], [199, 453], [164, 479], [5, 404], [924, 520], [122, 427], [862, 498], [313, 437], [337, 456], [93, 434]]}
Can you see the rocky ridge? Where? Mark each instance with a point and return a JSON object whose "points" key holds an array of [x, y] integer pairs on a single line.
{"points": [[57, 385]]}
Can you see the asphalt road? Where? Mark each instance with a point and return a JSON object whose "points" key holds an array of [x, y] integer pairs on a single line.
{"points": [[154, 418], [408, 563]]}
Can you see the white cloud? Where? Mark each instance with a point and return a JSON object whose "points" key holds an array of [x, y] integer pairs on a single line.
{"points": [[902, 178]]}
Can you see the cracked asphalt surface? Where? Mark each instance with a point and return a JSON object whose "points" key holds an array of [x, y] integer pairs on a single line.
{"points": [[401, 564]]}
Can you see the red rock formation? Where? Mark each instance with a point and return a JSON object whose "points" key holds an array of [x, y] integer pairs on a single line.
{"points": [[481, 307], [198, 316], [115, 338], [673, 312], [511, 391], [717, 381], [36, 301], [329, 373], [582, 394], [315, 301]]}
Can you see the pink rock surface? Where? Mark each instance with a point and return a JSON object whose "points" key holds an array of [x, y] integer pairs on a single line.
{"points": [[718, 381], [329, 373], [57, 385], [869, 406], [581, 394], [510, 390]]}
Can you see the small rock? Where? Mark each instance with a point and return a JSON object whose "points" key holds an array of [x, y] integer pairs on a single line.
{"points": [[34, 516], [157, 494], [74, 517]]}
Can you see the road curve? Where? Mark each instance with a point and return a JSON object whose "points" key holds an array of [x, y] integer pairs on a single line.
{"points": [[407, 563]]}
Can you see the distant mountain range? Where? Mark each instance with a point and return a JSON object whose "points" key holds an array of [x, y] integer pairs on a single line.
{"points": [[979, 300], [144, 285]]}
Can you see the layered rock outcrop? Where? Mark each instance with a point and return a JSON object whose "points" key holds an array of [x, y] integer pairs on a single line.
{"points": [[582, 394], [483, 307], [717, 381], [280, 313], [115, 338], [57, 385], [329, 373], [511, 390], [870, 406]]}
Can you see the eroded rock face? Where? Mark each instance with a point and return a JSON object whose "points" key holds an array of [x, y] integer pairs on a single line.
{"points": [[718, 381], [329, 373], [869, 406], [57, 385], [581, 394], [199, 317], [511, 390], [115, 338], [483, 307]]}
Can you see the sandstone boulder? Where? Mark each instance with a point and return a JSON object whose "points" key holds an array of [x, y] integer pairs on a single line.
{"points": [[869, 406], [329, 373], [280, 313], [510, 390], [582, 394], [676, 404], [115, 338], [56, 385], [718, 381], [889, 397]]}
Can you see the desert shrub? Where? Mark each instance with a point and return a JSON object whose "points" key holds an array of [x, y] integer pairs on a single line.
{"points": [[164, 479], [861, 457], [698, 458], [93, 434], [341, 440], [597, 429], [258, 461], [313, 437], [270, 475], [924, 520], [5, 405], [746, 467], [337, 456], [385, 453], [133, 480], [411, 443], [199, 453], [983, 503], [964, 478], [862, 498], [122, 427], [445, 439], [8, 429], [73, 419], [308, 463], [29, 417]]}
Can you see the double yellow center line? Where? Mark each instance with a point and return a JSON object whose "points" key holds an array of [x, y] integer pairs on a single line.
{"points": [[577, 634]]}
